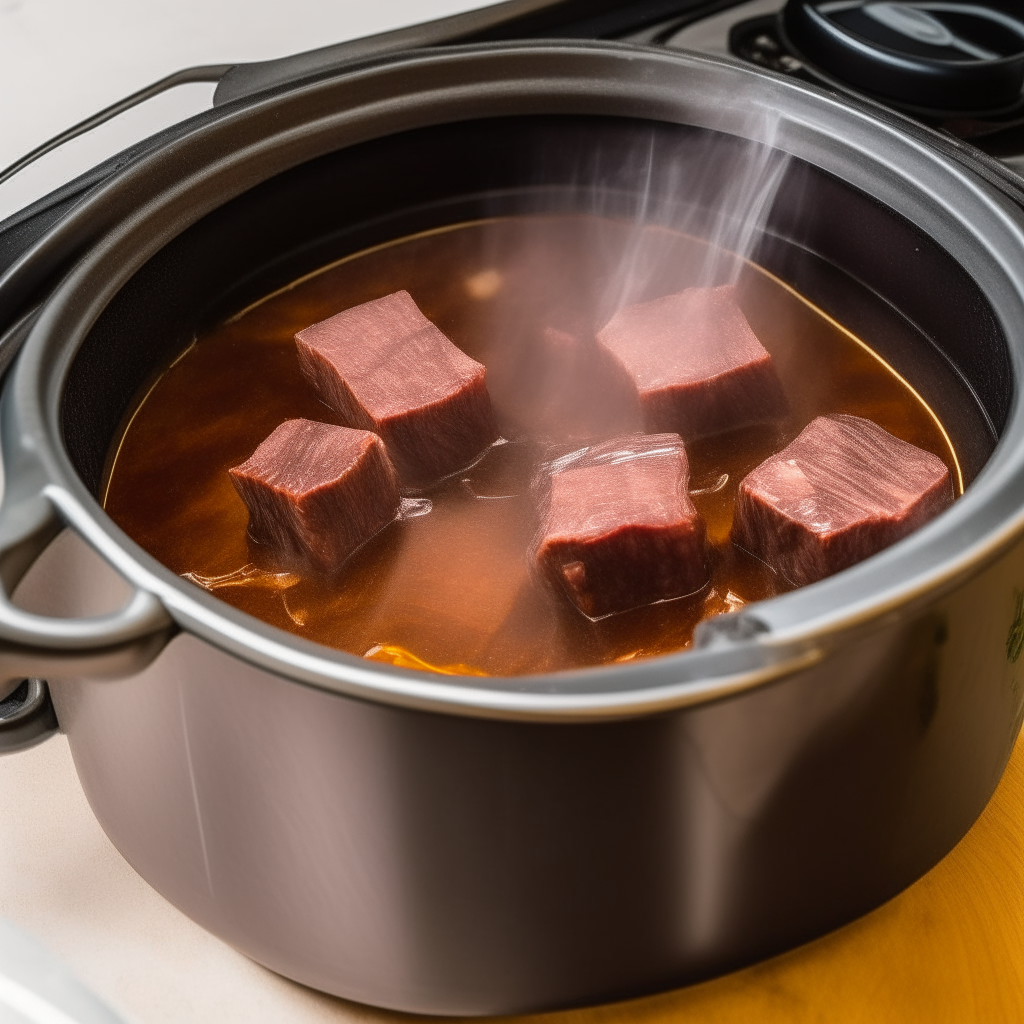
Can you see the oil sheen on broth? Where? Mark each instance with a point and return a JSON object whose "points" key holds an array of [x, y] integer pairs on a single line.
{"points": [[452, 590]]}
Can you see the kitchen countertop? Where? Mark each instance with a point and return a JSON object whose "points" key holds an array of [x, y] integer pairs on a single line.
{"points": [[948, 949]]}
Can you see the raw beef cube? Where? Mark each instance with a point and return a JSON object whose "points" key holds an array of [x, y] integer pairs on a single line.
{"points": [[619, 529], [696, 365], [383, 366], [317, 492], [843, 490]]}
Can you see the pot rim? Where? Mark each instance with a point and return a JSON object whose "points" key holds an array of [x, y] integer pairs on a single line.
{"points": [[166, 190]]}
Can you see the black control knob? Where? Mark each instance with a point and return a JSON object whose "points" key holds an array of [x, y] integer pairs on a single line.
{"points": [[931, 55]]}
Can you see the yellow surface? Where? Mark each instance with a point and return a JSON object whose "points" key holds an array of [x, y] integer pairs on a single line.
{"points": [[948, 949]]}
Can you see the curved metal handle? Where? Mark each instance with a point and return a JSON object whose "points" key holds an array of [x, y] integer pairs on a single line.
{"points": [[104, 646], [208, 73]]}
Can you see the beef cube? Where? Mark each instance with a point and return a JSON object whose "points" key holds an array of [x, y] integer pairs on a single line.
{"points": [[619, 530], [383, 366], [696, 365], [843, 490], [316, 492]]}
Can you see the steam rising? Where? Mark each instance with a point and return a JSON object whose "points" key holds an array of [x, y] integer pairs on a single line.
{"points": [[716, 188], [646, 214], [671, 209]]}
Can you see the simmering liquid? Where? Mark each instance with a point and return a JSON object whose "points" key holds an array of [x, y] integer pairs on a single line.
{"points": [[452, 590]]}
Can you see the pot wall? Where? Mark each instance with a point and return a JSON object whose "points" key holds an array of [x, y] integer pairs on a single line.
{"points": [[454, 865]]}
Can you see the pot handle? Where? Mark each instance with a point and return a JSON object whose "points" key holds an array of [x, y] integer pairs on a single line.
{"points": [[206, 73], [245, 79], [31, 645], [513, 19]]}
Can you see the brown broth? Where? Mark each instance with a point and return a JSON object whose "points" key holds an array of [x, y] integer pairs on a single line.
{"points": [[452, 590]]}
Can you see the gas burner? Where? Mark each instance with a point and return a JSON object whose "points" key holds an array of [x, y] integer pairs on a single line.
{"points": [[933, 57], [956, 66]]}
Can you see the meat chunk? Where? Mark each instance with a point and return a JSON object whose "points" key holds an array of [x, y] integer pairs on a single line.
{"points": [[696, 365], [619, 530], [316, 492], [843, 490], [383, 366]]}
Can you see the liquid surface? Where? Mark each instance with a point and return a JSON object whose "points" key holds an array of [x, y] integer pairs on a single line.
{"points": [[451, 589]]}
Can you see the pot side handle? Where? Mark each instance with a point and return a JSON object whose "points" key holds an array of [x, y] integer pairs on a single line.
{"points": [[514, 18], [205, 73], [32, 645]]}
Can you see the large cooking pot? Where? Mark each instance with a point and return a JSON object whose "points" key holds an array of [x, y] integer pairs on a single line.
{"points": [[494, 845]]}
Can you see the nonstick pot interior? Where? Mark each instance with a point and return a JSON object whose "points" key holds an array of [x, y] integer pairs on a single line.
{"points": [[863, 264]]}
